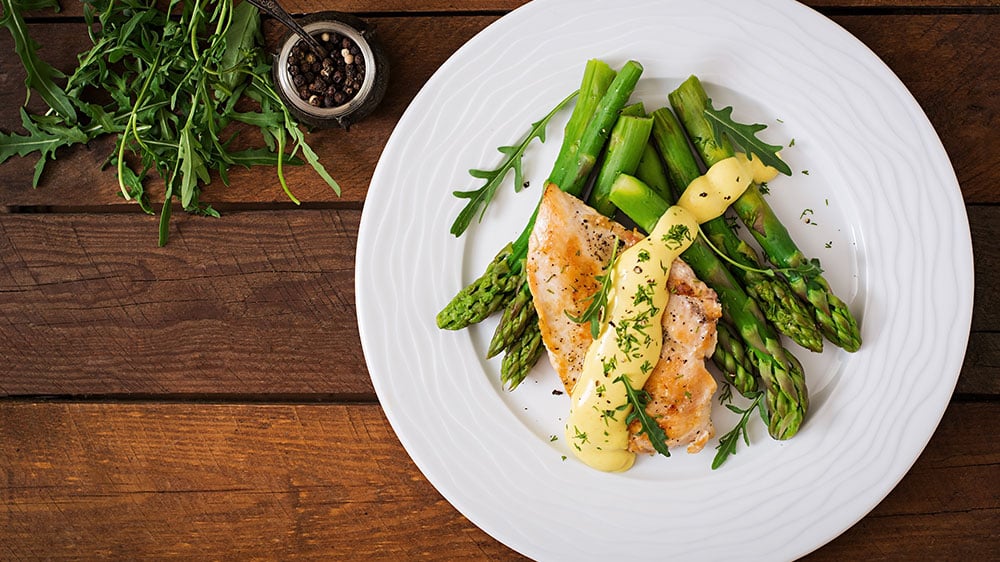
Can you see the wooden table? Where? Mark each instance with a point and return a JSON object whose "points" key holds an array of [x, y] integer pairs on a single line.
{"points": [[210, 399]]}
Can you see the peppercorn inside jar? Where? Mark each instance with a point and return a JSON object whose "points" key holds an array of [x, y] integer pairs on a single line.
{"points": [[329, 81], [339, 86]]}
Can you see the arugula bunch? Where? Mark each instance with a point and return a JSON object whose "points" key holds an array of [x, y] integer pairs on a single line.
{"points": [[176, 83]]}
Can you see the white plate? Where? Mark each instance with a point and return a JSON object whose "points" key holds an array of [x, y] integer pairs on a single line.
{"points": [[888, 224]]}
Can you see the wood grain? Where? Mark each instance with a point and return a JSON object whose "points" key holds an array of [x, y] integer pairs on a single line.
{"points": [[71, 9], [209, 400], [332, 481], [88, 304], [984, 226], [217, 482], [960, 97], [76, 181]]}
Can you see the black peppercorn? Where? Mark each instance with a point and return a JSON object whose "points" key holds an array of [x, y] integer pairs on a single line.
{"points": [[332, 80]]}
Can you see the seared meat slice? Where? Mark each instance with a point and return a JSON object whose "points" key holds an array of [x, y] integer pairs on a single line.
{"points": [[680, 387], [569, 247]]}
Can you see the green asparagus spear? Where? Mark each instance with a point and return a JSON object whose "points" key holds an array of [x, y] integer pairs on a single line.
{"points": [[586, 133], [519, 311], [786, 394], [523, 354], [629, 138], [731, 358], [482, 297], [832, 315], [772, 293], [597, 78], [652, 172], [573, 178]]}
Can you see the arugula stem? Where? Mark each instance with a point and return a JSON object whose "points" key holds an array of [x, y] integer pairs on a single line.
{"points": [[281, 160], [131, 124]]}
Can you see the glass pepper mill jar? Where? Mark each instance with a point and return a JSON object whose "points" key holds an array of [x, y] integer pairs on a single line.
{"points": [[340, 88]]}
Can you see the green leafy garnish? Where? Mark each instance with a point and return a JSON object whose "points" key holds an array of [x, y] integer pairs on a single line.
{"points": [[676, 236], [745, 136], [40, 75], [728, 442], [45, 141], [174, 75], [647, 425], [480, 199], [597, 308]]}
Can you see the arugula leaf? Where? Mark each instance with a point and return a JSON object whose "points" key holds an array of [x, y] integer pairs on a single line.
{"points": [[479, 199], [173, 74], [729, 442], [647, 425], [192, 166], [40, 75], [240, 39], [597, 308], [45, 142], [745, 136]]}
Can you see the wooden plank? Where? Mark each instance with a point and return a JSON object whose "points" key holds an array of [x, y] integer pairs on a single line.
{"points": [[154, 481], [981, 370], [984, 227], [88, 304], [958, 98], [959, 95], [74, 9], [76, 179], [150, 481]]}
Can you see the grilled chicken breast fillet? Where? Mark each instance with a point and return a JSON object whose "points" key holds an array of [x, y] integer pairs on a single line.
{"points": [[569, 247]]}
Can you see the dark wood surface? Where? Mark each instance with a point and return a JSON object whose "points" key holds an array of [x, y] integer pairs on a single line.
{"points": [[210, 399]]}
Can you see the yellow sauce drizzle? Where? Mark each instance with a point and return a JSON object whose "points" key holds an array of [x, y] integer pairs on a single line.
{"points": [[630, 341]]}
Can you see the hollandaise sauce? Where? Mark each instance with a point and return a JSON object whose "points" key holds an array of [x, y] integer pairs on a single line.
{"points": [[630, 341]]}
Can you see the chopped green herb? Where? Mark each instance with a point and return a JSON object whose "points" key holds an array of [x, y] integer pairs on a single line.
{"points": [[676, 236]]}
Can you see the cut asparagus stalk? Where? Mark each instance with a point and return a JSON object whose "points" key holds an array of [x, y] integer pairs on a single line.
{"points": [[573, 178], [629, 138], [652, 171]]}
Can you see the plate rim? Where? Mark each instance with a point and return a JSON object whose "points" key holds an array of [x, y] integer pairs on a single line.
{"points": [[398, 420]]}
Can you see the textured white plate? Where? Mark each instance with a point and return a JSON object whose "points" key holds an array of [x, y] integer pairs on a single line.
{"points": [[888, 223]]}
